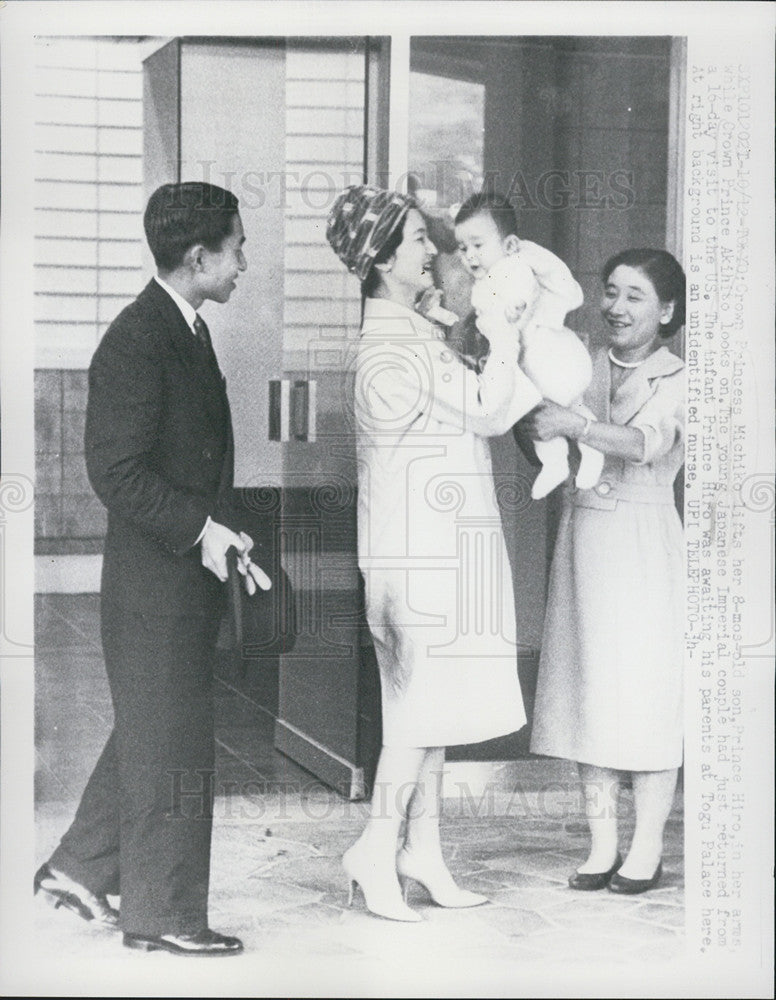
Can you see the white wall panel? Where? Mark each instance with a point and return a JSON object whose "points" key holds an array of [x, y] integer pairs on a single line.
{"points": [[88, 189]]}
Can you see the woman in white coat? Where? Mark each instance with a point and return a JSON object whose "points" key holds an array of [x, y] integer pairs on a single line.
{"points": [[609, 692], [439, 599]]}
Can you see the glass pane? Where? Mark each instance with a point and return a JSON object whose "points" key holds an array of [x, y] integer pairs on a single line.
{"points": [[446, 138]]}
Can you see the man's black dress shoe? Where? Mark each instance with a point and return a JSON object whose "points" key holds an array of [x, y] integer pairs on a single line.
{"points": [[60, 891], [205, 943], [590, 881], [633, 886]]}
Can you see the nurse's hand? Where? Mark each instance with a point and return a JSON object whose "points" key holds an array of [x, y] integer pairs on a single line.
{"points": [[548, 420]]}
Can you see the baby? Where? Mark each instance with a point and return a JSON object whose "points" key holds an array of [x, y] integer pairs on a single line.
{"points": [[534, 287]]}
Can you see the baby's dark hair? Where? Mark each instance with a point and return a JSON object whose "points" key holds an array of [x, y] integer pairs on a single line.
{"points": [[667, 277], [493, 204]]}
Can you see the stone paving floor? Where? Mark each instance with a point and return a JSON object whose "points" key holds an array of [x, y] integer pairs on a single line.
{"points": [[513, 832]]}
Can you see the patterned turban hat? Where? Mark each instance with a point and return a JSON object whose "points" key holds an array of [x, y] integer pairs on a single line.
{"points": [[360, 223]]}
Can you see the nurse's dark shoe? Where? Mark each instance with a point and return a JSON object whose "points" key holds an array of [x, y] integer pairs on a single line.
{"points": [[592, 881], [633, 886]]}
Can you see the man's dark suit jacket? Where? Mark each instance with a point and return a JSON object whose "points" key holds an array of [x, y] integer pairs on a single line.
{"points": [[159, 455]]}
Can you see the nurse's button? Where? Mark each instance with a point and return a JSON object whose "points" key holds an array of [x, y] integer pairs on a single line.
{"points": [[603, 489]]}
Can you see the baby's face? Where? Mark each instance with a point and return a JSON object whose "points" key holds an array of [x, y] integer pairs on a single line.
{"points": [[480, 244]]}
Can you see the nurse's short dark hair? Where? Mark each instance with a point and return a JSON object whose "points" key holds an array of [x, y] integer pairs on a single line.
{"points": [[667, 277], [178, 216]]}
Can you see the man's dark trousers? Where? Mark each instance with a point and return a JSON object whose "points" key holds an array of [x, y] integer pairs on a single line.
{"points": [[159, 455]]}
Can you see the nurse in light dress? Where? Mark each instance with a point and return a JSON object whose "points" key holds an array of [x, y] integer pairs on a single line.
{"points": [[438, 586], [609, 692]]}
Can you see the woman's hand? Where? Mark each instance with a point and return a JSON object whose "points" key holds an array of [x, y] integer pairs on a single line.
{"points": [[548, 420]]}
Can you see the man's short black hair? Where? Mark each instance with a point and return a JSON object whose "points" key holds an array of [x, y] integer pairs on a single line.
{"points": [[178, 216], [493, 204]]}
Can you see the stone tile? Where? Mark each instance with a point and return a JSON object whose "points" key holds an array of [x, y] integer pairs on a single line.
{"points": [[514, 879], [80, 610], [540, 899], [493, 847], [266, 897], [76, 667], [274, 857], [47, 784], [81, 680], [622, 925], [312, 915], [513, 922], [466, 868], [321, 874], [454, 831], [278, 839], [531, 863], [654, 952], [444, 934], [665, 914], [580, 945], [70, 739]]}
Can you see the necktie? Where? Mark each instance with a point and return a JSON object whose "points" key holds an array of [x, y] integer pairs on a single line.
{"points": [[203, 339], [203, 334]]}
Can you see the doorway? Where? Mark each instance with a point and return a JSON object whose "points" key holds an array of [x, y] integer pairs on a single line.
{"points": [[576, 131]]}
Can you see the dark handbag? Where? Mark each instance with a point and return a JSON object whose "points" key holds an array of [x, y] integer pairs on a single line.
{"points": [[264, 623]]}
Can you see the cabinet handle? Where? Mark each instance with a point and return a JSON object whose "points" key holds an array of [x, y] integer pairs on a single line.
{"points": [[279, 409], [304, 409]]}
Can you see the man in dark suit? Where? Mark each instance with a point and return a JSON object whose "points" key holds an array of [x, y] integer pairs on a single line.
{"points": [[159, 455]]}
